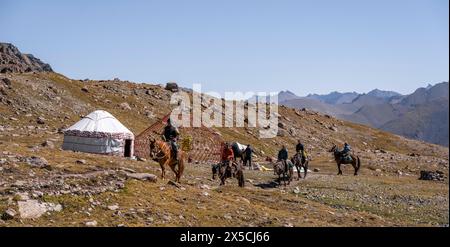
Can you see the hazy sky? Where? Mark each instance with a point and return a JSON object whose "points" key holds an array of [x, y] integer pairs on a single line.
{"points": [[304, 46]]}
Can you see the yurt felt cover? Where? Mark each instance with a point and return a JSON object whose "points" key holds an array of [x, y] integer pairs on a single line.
{"points": [[98, 132]]}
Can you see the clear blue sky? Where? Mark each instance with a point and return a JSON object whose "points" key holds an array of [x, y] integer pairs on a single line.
{"points": [[304, 46]]}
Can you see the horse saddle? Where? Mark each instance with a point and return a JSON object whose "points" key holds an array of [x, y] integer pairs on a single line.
{"points": [[288, 163], [302, 156], [346, 158]]}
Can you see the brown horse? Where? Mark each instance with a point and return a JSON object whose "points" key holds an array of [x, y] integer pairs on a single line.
{"points": [[356, 163], [160, 152], [299, 163], [284, 171]]}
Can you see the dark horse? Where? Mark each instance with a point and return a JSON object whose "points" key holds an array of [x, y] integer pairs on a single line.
{"points": [[300, 162], [284, 170], [225, 171], [356, 163]]}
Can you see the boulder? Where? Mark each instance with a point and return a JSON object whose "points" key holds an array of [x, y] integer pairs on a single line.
{"points": [[172, 86], [38, 162], [292, 131], [143, 176], [141, 159], [113, 207], [6, 81], [333, 128], [91, 223], [81, 162], [432, 175], [281, 133], [32, 209], [40, 120], [48, 144], [125, 106], [205, 187], [9, 214]]}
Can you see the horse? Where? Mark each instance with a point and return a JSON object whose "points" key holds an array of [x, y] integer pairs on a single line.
{"points": [[215, 168], [160, 151], [238, 151], [281, 168], [356, 162], [226, 171], [299, 163]]}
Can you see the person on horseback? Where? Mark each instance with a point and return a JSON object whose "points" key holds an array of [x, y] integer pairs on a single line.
{"points": [[346, 151], [227, 158], [300, 148], [227, 153], [170, 135], [283, 154]]}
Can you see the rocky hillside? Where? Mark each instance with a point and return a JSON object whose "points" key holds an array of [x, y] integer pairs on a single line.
{"points": [[12, 60], [77, 189], [43, 185]]}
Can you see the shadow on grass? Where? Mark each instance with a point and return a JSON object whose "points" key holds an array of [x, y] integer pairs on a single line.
{"points": [[267, 185]]}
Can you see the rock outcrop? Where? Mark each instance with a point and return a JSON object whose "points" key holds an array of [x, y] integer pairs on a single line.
{"points": [[13, 61]]}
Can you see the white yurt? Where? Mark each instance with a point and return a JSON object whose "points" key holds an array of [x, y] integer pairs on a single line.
{"points": [[100, 133]]}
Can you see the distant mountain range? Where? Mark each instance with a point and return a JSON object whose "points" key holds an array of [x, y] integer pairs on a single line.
{"points": [[422, 115]]}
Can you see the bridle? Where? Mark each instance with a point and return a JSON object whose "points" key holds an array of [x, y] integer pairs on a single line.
{"points": [[154, 151]]}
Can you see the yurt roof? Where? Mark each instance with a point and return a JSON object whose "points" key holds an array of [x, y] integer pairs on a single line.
{"points": [[99, 121]]}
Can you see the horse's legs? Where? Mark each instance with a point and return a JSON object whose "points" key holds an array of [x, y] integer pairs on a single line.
{"points": [[222, 177], [163, 170], [173, 168], [180, 169], [298, 171], [222, 174], [305, 167], [240, 178], [339, 169], [355, 167]]}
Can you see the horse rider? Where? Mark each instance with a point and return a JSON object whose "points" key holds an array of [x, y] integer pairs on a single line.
{"points": [[346, 150], [227, 154], [248, 156], [300, 148], [283, 154], [171, 135]]}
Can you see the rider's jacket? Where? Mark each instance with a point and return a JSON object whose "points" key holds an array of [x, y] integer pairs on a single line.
{"points": [[283, 154], [227, 154], [170, 132], [299, 147]]}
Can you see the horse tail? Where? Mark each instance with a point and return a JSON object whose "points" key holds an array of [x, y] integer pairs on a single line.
{"points": [[180, 165]]}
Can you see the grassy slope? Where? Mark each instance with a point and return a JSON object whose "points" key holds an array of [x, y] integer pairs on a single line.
{"points": [[373, 198]]}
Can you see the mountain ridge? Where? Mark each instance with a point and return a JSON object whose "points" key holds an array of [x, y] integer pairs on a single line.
{"points": [[385, 109], [13, 61]]}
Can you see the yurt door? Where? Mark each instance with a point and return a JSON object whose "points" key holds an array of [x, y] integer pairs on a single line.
{"points": [[127, 150]]}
